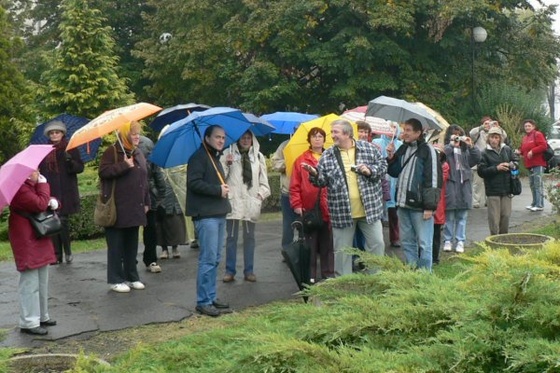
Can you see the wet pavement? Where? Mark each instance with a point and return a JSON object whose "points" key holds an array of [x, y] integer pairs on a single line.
{"points": [[81, 302]]}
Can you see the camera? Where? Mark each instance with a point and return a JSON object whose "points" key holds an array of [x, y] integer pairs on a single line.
{"points": [[458, 138], [354, 168]]}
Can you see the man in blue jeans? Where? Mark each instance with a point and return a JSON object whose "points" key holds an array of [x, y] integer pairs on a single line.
{"points": [[208, 205], [419, 174]]}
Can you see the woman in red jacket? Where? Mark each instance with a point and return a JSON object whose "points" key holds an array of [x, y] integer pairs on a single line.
{"points": [[32, 255], [533, 146], [303, 196]]}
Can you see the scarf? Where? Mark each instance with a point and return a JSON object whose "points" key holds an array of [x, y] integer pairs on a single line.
{"points": [[124, 135], [246, 166], [51, 159]]}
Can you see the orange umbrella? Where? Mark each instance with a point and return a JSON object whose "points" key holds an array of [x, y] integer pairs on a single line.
{"points": [[111, 121]]}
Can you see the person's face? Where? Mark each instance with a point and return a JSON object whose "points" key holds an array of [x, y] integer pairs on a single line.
{"points": [[217, 139], [134, 137], [494, 140], [317, 141], [246, 141], [528, 126], [487, 125], [55, 136], [363, 134], [339, 137], [409, 135]]}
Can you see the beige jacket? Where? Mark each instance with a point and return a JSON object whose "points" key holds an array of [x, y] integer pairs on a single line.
{"points": [[246, 202]]}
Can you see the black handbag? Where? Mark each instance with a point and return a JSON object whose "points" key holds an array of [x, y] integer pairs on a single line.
{"points": [[515, 186], [312, 220], [45, 223]]}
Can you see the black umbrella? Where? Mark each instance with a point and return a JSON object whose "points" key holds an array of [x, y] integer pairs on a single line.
{"points": [[175, 113], [298, 257]]}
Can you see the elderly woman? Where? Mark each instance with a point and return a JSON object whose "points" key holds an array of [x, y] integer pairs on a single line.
{"points": [[61, 168], [303, 197], [124, 165], [496, 164], [32, 255], [461, 156], [246, 176]]}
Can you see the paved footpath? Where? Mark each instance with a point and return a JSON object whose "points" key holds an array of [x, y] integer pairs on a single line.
{"points": [[81, 302]]}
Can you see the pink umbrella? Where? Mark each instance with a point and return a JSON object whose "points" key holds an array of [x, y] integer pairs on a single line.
{"points": [[15, 171]]}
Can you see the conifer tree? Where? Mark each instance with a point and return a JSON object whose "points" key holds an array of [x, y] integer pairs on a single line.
{"points": [[84, 77]]}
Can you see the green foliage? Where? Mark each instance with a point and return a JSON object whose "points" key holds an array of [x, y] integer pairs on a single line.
{"points": [[552, 188], [84, 77]]}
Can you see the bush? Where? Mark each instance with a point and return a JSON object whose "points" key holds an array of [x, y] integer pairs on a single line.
{"points": [[81, 224]]}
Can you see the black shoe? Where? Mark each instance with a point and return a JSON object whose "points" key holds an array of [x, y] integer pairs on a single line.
{"points": [[34, 331], [194, 244], [48, 323], [208, 310], [395, 244], [219, 304], [69, 258]]}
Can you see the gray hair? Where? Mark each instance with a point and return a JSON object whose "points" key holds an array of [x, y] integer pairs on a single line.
{"points": [[347, 128]]}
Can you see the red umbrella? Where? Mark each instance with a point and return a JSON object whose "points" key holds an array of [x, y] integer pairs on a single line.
{"points": [[16, 170]]}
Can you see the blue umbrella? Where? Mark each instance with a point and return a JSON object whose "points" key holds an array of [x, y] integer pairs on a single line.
{"points": [[260, 127], [287, 122], [175, 113], [184, 137], [88, 151]]}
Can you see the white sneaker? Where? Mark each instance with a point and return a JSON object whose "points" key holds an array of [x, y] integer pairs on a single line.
{"points": [[536, 209], [447, 246], [460, 248], [136, 285], [120, 288], [530, 207], [154, 268]]}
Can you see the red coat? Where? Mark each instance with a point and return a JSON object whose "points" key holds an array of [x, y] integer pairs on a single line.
{"points": [[536, 142], [29, 251], [439, 216], [303, 194]]}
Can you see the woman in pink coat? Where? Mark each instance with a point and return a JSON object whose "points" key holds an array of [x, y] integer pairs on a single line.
{"points": [[303, 196], [32, 255]]}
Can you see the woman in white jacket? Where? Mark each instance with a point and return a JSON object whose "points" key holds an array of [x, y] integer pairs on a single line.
{"points": [[246, 176]]}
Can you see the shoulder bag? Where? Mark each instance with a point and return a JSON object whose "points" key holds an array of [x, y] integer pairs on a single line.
{"points": [[312, 220], [45, 223], [105, 213]]}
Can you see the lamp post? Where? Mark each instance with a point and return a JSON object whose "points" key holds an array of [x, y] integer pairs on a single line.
{"points": [[478, 35]]}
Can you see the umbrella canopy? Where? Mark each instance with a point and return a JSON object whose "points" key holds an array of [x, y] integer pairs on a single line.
{"points": [[400, 110], [298, 143], [184, 137], [298, 258], [111, 121], [73, 123], [260, 127], [173, 114], [18, 168], [286, 122]]}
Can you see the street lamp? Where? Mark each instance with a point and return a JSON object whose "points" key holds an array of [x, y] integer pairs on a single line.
{"points": [[478, 35]]}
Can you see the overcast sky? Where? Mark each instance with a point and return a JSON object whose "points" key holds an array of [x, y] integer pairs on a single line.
{"points": [[556, 17]]}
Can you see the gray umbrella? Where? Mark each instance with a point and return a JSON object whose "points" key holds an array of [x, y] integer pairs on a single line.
{"points": [[397, 110]]}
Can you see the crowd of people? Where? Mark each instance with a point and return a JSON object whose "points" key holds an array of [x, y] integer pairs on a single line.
{"points": [[421, 191]]}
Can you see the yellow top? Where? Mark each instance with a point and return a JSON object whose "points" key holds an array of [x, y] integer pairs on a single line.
{"points": [[348, 159]]}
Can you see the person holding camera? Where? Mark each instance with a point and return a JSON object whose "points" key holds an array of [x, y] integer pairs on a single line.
{"points": [[352, 171], [461, 155], [496, 164]]}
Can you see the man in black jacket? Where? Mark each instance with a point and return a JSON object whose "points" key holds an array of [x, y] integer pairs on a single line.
{"points": [[208, 205]]}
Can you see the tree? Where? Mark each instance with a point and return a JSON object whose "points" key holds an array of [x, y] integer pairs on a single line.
{"points": [[84, 76], [14, 95]]}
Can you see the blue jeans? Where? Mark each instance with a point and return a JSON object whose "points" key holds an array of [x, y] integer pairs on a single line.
{"points": [[211, 237], [455, 225], [288, 217], [417, 236], [536, 184], [232, 228]]}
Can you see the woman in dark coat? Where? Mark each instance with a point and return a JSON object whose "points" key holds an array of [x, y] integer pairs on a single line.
{"points": [[127, 169], [61, 169], [32, 255]]}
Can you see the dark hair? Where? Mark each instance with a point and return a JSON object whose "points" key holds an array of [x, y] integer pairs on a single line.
{"points": [[485, 118], [530, 121], [415, 123], [363, 125], [449, 132], [315, 130], [210, 130]]}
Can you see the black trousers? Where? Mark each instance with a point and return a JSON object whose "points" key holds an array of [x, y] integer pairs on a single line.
{"points": [[61, 241], [150, 239], [122, 248]]}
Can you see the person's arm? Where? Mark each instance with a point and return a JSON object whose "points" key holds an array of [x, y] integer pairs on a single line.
{"points": [[196, 172], [74, 164], [278, 162], [264, 187], [108, 168]]}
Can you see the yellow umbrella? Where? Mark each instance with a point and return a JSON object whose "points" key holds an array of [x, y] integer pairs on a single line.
{"points": [[298, 143]]}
